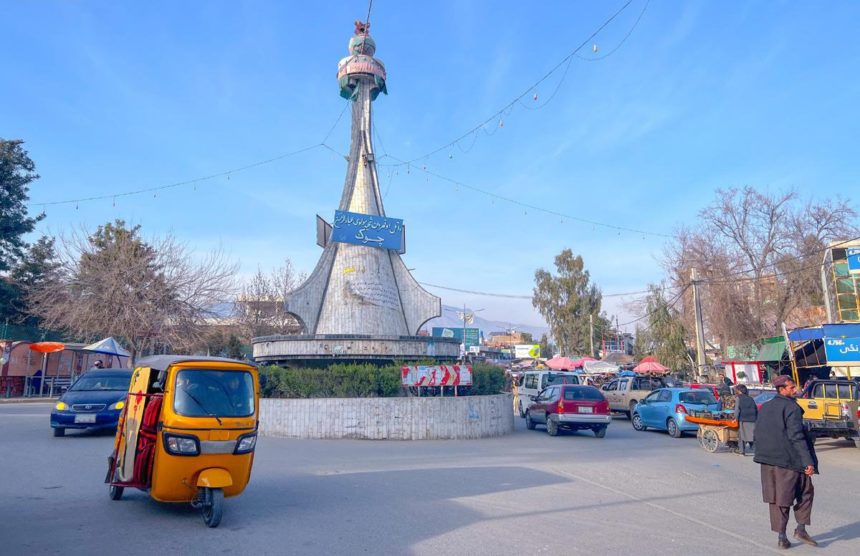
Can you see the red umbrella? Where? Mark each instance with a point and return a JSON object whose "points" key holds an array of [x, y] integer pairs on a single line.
{"points": [[48, 347]]}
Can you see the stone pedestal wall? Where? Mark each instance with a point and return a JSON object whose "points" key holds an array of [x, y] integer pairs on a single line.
{"points": [[388, 418]]}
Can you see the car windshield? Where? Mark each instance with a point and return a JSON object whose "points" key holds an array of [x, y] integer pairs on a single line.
{"points": [[586, 393], [209, 393], [698, 397], [105, 382]]}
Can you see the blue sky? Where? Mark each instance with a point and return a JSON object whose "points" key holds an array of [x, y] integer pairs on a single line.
{"points": [[119, 96]]}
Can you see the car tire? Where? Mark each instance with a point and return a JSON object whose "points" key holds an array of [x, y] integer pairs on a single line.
{"points": [[637, 422], [529, 423], [551, 427], [632, 408], [673, 429], [600, 432], [59, 431]]}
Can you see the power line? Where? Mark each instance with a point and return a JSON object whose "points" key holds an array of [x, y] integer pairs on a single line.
{"points": [[225, 173], [519, 296], [523, 204], [495, 116], [671, 304], [620, 44]]}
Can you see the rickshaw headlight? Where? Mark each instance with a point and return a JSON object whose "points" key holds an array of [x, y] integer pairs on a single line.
{"points": [[246, 443], [118, 405], [181, 445], [61, 406]]}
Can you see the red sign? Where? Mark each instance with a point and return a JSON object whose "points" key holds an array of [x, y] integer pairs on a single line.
{"points": [[437, 375]]}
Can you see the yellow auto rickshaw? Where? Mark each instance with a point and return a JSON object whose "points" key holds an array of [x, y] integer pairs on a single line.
{"points": [[187, 432]]}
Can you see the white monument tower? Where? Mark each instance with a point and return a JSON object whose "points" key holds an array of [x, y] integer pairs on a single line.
{"points": [[360, 302]]}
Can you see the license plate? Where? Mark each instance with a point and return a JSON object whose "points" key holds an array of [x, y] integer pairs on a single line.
{"points": [[586, 410], [85, 418]]}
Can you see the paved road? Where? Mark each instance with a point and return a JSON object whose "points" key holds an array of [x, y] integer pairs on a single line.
{"points": [[527, 493]]}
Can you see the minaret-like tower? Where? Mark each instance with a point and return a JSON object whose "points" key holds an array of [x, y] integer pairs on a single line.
{"points": [[360, 286]]}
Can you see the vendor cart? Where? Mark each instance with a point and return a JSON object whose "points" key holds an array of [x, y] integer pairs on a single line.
{"points": [[716, 430]]}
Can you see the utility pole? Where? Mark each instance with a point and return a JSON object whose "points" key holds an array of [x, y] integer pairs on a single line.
{"points": [[591, 333], [700, 327]]}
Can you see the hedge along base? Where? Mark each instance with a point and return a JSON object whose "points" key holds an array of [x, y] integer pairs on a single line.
{"points": [[388, 418]]}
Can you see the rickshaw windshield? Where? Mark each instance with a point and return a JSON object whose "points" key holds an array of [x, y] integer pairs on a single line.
{"points": [[209, 393]]}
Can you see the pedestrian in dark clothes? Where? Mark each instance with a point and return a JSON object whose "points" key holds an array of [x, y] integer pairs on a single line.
{"points": [[746, 414], [787, 457]]}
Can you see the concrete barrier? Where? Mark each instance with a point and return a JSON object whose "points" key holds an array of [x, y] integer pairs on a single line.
{"points": [[388, 418]]}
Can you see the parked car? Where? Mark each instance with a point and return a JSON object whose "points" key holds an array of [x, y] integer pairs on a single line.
{"points": [[533, 382], [667, 409], [764, 397], [625, 392], [830, 409], [94, 401], [569, 407]]}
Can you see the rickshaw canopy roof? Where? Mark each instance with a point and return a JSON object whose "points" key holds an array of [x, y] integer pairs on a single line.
{"points": [[163, 362]]}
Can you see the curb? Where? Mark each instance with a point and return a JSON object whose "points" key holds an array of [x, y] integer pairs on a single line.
{"points": [[27, 400]]}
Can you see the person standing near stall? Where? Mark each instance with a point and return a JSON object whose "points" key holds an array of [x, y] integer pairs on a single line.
{"points": [[746, 414], [787, 457]]}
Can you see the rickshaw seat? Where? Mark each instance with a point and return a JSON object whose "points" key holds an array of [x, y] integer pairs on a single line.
{"points": [[151, 414], [146, 440]]}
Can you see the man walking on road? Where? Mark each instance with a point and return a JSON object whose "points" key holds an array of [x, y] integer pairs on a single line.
{"points": [[788, 461]]}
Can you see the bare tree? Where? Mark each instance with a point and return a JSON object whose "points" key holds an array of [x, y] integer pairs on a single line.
{"points": [[758, 253], [260, 308], [152, 294]]}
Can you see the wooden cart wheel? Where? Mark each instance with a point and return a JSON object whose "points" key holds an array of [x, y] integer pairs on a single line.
{"points": [[710, 440]]}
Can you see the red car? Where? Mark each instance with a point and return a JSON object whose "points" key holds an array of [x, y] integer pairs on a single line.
{"points": [[570, 407], [715, 390]]}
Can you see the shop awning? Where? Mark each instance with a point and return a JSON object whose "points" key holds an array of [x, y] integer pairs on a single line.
{"points": [[771, 350], [806, 334]]}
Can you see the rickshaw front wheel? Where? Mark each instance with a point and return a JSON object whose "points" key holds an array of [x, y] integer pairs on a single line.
{"points": [[213, 505]]}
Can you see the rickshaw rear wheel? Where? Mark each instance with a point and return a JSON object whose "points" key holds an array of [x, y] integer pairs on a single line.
{"points": [[59, 431], [114, 491], [213, 506]]}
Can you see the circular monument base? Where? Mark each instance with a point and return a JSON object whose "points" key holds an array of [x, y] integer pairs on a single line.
{"points": [[352, 347]]}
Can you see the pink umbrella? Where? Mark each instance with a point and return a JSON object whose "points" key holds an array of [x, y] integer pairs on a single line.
{"points": [[579, 363], [559, 363], [649, 364]]}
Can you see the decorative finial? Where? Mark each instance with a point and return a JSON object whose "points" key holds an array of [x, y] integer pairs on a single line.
{"points": [[361, 27]]}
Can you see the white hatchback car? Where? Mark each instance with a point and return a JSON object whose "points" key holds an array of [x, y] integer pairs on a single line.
{"points": [[532, 382]]}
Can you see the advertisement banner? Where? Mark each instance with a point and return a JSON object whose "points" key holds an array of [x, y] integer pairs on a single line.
{"points": [[524, 351], [842, 350], [473, 335], [437, 375], [367, 229]]}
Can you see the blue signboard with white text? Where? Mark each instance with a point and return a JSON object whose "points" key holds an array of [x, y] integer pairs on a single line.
{"points": [[842, 350], [367, 229], [853, 255]]}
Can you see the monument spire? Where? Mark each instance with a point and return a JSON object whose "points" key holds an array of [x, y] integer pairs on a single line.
{"points": [[360, 286]]}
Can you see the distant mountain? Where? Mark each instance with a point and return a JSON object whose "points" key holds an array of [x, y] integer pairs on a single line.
{"points": [[449, 319]]}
